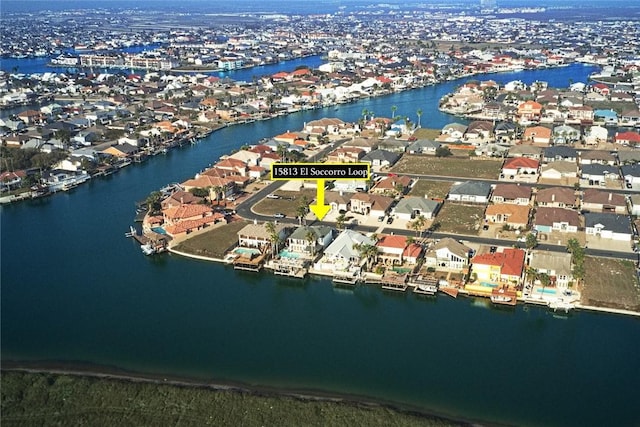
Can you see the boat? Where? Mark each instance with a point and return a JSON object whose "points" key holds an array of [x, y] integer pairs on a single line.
{"points": [[148, 249], [132, 232], [500, 298]]}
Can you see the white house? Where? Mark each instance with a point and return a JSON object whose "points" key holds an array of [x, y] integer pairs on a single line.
{"points": [[449, 254], [470, 191], [342, 253], [608, 226]]}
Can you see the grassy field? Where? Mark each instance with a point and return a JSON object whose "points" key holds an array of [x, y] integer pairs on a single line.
{"points": [[61, 400], [432, 189], [213, 243], [459, 219], [611, 283], [423, 133], [287, 204], [448, 166]]}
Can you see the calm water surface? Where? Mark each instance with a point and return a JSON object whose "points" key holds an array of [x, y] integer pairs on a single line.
{"points": [[75, 290]]}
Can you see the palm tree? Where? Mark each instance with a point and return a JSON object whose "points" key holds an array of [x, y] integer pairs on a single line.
{"points": [[365, 113], [274, 237], [419, 114], [418, 224], [282, 152], [394, 108], [340, 220], [311, 237], [302, 209]]}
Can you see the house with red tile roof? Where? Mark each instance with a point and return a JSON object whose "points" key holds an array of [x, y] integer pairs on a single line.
{"points": [[499, 267], [537, 135], [392, 185], [346, 155], [233, 166], [391, 249], [630, 138], [226, 185], [520, 169], [186, 218], [179, 198]]}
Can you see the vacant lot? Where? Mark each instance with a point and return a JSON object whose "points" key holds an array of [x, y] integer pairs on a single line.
{"points": [[448, 166], [214, 243], [423, 133], [431, 189], [48, 399], [611, 283], [459, 219], [286, 204]]}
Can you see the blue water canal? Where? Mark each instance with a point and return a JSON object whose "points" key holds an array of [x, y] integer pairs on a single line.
{"points": [[75, 290]]}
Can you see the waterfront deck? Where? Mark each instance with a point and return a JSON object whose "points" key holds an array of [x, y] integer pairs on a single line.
{"points": [[452, 292], [249, 263], [423, 285], [395, 282], [345, 278], [504, 297]]}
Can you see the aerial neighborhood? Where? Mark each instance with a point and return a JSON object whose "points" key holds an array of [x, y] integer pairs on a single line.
{"points": [[463, 208]]}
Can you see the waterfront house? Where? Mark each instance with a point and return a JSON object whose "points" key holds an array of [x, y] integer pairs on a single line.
{"points": [[392, 185], [537, 135], [257, 235], [596, 135], [409, 208], [342, 254], [560, 153], [308, 240], [249, 158], [556, 197], [547, 220], [594, 200], [520, 169], [121, 150], [608, 226], [470, 192], [391, 249], [598, 174], [514, 216], [556, 265], [11, 180], [179, 198], [373, 205], [511, 193], [580, 114], [365, 144], [233, 166], [629, 138], [219, 187], [559, 170], [504, 267], [448, 254], [631, 174], [186, 218], [455, 131]]}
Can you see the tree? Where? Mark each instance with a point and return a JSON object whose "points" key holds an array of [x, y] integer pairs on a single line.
{"points": [[340, 220], [152, 202], [311, 237], [443, 152], [302, 208], [531, 241], [274, 237], [419, 114], [418, 224], [365, 113], [394, 108]]}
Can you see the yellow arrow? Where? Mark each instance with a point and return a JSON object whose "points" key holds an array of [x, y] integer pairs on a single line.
{"points": [[320, 209]]}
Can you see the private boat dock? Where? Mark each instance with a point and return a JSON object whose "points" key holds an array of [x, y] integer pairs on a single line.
{"points": [[423, 285]]}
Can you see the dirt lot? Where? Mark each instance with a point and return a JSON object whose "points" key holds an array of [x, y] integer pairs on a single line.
{"points": [[611, 283], [459, 219], [448, 166], [431, 189], [213, 243], [286, 204], [423, 133]]}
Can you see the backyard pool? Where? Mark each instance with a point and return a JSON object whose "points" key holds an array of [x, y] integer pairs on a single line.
{"points": [[286, 254], [158, 230], [247, 251]]}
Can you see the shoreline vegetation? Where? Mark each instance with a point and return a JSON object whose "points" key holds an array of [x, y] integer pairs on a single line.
{"points": [[79, 396]]}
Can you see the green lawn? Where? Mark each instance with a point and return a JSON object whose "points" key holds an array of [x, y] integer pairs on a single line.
{"points": [[448, 166], [215, 242]]}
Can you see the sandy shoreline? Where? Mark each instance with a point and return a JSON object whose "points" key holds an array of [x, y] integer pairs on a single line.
{"points": [[101, 372]]}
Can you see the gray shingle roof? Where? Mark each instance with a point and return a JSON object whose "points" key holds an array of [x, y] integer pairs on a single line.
{"points": [[472, 188], [615, 223]]}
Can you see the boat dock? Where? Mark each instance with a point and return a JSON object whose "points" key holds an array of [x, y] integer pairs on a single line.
{"points": [[345, 278], [249, 263], [423, 285], [504, 297], [451, 291]]}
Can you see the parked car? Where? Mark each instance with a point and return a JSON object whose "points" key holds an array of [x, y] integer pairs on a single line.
{"points": [[272, 196], [279, 215], [381, 218], [389, 220]]}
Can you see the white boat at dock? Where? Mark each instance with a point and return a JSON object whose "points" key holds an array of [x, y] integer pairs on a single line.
{"points": [[148, 249]]}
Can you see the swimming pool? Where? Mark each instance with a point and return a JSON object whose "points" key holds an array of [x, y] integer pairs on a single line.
{"points": [[247, 251], [489, 284], [549, 291], [401, 270], [159, 230], [286, 254]]}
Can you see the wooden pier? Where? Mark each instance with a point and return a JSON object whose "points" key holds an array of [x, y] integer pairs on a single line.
{"points": [[452, 292], [424, 285], [504, 297], [252, 263], [395, 282]]}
